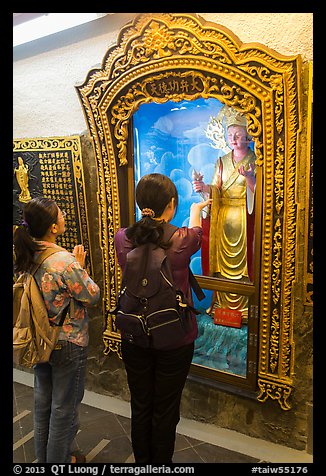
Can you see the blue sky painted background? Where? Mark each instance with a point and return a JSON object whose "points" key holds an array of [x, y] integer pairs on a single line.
{"points": [[170, 139]]}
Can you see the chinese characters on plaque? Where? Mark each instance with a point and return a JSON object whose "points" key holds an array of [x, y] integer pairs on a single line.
{"points": [[52, 167]]}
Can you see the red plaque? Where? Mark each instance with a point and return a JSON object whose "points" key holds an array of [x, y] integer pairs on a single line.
{"points": [[227, 317]]}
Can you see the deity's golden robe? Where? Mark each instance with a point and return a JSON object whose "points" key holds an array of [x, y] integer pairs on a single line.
{"points": [[228, 227]]}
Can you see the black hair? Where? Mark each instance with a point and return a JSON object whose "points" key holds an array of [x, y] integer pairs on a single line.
{"points": [[38, 215], [153, 191]]}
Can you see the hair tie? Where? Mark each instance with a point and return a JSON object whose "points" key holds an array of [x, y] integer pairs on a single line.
{"points": [[25, 225], [147, 212]]}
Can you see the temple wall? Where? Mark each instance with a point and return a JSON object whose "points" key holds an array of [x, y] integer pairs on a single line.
{"points": [[45, 104]]}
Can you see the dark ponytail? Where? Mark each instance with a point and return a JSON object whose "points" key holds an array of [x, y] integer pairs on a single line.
{"points": [[38, 215], [153, 192]]}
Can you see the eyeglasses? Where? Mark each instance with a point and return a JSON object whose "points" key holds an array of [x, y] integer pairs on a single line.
{"points": [[63, 213]]}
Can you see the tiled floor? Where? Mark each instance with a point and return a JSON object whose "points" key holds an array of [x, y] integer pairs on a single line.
{"points": [[104, 437]]}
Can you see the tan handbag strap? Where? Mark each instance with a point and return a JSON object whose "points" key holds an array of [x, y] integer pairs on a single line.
{"points": [[42, 257]]}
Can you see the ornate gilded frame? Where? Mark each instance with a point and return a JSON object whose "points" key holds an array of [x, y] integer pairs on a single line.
{"points": [[308, 246], [160, 57], [57, 146]]}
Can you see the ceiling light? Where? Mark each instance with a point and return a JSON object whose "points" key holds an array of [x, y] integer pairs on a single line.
{"points": [[48, 24]]}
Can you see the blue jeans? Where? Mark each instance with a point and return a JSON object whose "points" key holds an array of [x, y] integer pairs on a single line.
{"points": [[58, 390], [156, 380]]}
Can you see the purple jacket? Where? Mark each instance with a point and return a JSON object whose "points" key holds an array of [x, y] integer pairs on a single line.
{"points": [[185, 242]]}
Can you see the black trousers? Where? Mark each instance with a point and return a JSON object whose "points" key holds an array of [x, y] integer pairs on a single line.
{"points": [[156, 379]]}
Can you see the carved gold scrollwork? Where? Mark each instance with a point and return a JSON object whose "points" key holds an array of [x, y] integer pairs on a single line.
{"points": [[161, 57], [112, 345], [279, 178], [274, 340], [309, 233], [176, 86], [277, 261], [276, 391]]}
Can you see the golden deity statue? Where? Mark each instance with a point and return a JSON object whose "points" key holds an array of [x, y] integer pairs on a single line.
{"points": [[232, 213], [22, 179]]}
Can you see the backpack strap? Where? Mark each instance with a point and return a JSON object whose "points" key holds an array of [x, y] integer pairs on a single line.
{"points": [[169, 230], [195, 286], [42, 257]]}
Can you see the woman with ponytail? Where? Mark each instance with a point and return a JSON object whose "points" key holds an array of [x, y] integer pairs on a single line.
{"points": [[62, 279], [156, 378]]}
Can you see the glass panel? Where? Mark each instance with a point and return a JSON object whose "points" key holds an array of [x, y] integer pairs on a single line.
{"points": [[219, 345], [187, 141], [170, 139]]}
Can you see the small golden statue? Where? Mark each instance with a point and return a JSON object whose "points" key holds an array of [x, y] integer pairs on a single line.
{"points": [[22, 179]]}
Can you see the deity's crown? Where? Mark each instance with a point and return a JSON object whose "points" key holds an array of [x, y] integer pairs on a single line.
{"points": [[234, 118]]}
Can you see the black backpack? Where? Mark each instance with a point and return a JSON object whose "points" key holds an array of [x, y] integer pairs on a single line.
{"points": [[150, 311]]}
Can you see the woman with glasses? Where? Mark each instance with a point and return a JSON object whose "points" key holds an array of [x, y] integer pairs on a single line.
{"points": [[66, 286]]}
